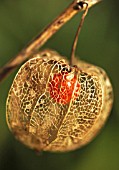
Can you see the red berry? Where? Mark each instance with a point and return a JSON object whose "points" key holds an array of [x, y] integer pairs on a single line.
{"points": [[63, 87]]}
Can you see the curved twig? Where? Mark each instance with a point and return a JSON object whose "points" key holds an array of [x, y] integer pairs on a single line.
{"points": [[40, 40]]}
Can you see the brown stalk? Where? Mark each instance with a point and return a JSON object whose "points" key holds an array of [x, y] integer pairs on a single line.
{"points": [[40, 40]]}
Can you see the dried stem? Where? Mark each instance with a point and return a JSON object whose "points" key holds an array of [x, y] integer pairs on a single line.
{"points": [[77, 35], [40, 40]]}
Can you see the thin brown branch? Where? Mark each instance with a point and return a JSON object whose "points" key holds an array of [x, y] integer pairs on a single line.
{"points": [[77, 35], [40, 40]]}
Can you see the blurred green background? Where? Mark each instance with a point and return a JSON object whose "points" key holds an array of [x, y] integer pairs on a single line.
{"points": [[20, 21]]}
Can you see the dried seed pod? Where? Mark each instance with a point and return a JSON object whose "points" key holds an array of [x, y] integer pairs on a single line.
{"points": [[52, 106]]}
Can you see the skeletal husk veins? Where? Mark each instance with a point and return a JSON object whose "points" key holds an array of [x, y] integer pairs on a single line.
{"points": [[52, 106]]}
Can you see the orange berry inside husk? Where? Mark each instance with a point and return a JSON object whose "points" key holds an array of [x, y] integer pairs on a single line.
{"points": [[63, 88]]}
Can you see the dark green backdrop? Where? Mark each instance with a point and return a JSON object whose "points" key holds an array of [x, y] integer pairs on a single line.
{"points": [[20, 20]]}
